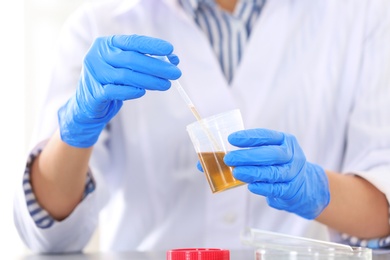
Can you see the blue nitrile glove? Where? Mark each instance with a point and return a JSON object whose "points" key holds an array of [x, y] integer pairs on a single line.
{"points": [[115, 69], [275, 166]]}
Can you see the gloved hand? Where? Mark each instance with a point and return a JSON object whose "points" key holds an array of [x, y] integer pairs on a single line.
{"points": [[275, 166], [115, 69]]}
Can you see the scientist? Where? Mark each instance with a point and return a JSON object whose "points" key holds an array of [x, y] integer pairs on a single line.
{"points": [[311, 78]]}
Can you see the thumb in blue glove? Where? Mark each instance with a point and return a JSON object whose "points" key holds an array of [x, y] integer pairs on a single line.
{"points": [[115, 69], [274, 165]]}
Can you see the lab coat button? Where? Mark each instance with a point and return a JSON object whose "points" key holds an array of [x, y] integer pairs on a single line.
{"points": [[230, 218]]}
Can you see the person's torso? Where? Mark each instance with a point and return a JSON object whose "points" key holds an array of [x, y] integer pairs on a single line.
{"points": [[297, 75]]}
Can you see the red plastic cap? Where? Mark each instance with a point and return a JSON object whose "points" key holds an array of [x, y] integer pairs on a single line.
{"points": [[198, 254]]}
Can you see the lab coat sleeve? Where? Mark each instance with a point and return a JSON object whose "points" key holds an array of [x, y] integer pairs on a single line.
{"points": [[368, 135], [41, 233], [73, 233], [41, 217]]}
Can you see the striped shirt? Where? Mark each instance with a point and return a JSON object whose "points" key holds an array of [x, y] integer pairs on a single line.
{"points": [[222, 30], [227, 32], [40, 216]]}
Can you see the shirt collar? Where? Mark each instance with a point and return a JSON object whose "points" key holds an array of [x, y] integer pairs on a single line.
{"points": [[191, 6]]}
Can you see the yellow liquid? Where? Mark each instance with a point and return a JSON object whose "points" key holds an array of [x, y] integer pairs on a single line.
{"points": [[218, 174], [195, 113]]}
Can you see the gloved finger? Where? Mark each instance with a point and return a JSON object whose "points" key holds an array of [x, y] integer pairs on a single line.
{"points": [[120, 92], [269, 174], [263, 155], [124, 77], [143, 64], [285, 190], [174, 59], [256, 137], [142, 44], [199, 166], [139, 80]]}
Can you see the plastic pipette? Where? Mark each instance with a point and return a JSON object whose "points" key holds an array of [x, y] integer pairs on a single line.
{"points": [[182, 92], [191, 106], [195, 112], [186, 99]]}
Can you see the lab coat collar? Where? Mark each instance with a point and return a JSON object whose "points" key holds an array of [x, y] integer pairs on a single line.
{"points": [[191, 6], [125, 6]]}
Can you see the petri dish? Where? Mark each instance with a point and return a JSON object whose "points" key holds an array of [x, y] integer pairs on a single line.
{"points": [[272, 245]]}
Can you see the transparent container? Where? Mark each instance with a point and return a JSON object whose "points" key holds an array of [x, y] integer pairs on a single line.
{"points": [[210, 139], [275, 246]]}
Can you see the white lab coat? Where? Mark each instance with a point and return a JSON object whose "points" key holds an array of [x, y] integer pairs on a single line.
{"points": [[317, 69]]}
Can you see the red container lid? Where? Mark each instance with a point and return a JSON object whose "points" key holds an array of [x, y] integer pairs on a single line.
{"points": [[198, 254]]}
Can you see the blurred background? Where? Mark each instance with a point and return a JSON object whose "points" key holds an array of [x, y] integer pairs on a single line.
{"points": [[29, 31]]}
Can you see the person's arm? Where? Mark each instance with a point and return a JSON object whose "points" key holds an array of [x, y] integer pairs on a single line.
{"points": [[58, 177], [114, 70], [274, 166], [356, 207]]}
